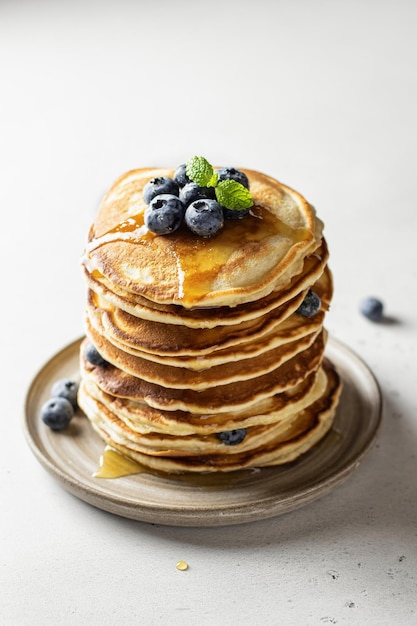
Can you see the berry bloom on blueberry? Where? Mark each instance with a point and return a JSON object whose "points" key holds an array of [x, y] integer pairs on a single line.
{"points": [[230, 173], [66, 388], [158, 185], [94, 357], [180, 175], [192, 192], [204, 217], [57, 413], [163, 215], [310, 305], [232, 437], [372, 308]]}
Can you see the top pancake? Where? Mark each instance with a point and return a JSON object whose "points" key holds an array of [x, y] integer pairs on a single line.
{"points": [[247, 260]]}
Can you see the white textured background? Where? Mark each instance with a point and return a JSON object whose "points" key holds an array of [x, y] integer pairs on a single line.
{"points": [[320, 94]]}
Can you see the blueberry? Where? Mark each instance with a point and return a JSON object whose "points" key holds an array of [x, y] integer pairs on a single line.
{"points": [[192, 192], [204, 217], [66, 388], [310, 305], [94, 357], [232, 437], [57, 413], [372, 308], [164, 214], [158, 185], [230, 214], [230, 173], [180, 176]]}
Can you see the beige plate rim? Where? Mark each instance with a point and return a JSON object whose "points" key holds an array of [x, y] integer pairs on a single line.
{"points": [[72, 457]]}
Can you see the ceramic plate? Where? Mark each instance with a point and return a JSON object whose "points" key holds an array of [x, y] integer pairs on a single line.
{"points": [[72, 456]]}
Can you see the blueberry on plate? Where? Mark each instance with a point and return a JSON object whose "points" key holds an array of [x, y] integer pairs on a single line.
{"points": [[310, 305], [57, 413], [164, 214], [372, 308], [231, 173], [93, 356], [232, 437], [66, 388], [180, 176], [158, 185], [192, 192], [204, 217]]}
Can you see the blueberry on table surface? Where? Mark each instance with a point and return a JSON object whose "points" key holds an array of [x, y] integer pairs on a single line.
{"points": [[192, 192], [57, 413], [93, 356], [232, 437], [310, 305], [231, 173], [66, 388], [204, 217], [372, 308], [158, 185], [180, 176], [164, 214]]}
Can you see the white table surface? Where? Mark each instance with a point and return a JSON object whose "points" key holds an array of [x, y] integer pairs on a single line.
{"points": [[323, 96]]}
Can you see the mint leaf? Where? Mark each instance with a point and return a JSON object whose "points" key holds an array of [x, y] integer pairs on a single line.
{"points": [[213, 181], [229, 193], [233, 195], [200, 171]]}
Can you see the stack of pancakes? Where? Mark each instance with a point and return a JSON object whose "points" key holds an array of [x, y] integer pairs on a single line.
{"points": [[208, 365]]}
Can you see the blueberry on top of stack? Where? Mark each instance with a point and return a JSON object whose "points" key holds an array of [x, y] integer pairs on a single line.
{"points": [[197, 194]]}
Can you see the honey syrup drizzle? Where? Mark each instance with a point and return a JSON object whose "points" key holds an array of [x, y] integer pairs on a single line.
{"points": [[132, 229], [113, 464]]}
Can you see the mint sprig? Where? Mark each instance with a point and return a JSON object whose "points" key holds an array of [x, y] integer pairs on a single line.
{"points": [[199, 170], [229, 193], [233, 195]]}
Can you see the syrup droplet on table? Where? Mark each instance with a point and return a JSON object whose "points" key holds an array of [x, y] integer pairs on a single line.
{"points": [[182, 566]]}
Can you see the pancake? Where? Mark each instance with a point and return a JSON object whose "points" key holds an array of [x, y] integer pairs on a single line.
{"points": [[241, 264], [202, 317], [212, 353]]}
